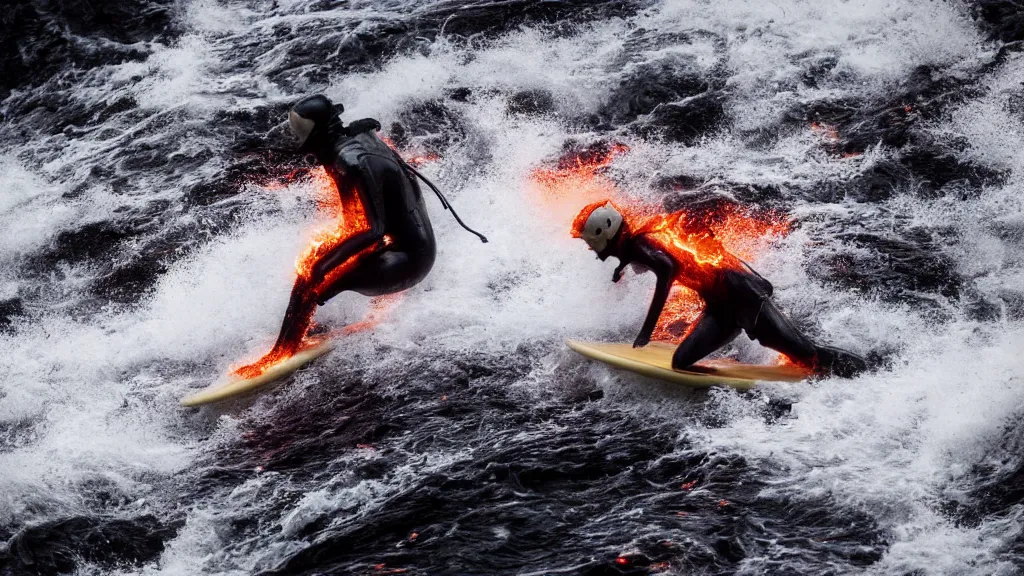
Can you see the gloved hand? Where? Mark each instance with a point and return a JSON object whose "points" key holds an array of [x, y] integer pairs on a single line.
{"points": [[617, 274]]}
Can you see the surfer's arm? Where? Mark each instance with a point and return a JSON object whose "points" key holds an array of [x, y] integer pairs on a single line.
{"points": [[617, 274], [664, 267], [362, 125], [369, 191]]}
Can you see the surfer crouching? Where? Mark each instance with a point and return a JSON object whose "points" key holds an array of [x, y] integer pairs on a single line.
{"points": [[735, 296], [392, 252]]}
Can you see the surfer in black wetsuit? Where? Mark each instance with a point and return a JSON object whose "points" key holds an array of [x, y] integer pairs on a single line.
{"points": [[736, 297], [355, 158], [393, 252]]}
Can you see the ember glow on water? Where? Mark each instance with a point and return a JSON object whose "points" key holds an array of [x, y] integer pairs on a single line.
{"points": [[579, 178], [421, 159], [141, 253], [380, 306]]}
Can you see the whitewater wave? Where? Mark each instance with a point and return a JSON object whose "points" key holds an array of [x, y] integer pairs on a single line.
{"points": [[149, 236]]}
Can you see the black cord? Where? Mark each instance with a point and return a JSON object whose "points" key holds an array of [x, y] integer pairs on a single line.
{"points": [[444, 201], [751, 268]]}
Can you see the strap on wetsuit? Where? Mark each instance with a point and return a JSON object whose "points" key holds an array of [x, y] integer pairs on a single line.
{"points": [[444, 201], [763, 298]]}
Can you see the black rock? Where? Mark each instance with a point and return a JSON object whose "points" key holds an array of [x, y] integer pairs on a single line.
{"points": [[686, 121], [1004, 19], [530, 102], [41, 37], [58, 546]]}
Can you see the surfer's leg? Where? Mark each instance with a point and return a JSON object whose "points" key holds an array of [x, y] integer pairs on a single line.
{"points": [[382, 273], [709, 333], [297, 318], [772, 329]]}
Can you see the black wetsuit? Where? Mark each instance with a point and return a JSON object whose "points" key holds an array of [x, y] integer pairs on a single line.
{"points": [[394, 208], [736, 300], [398, 225]]}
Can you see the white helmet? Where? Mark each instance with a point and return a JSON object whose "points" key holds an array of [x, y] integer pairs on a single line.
{"points": [[602, 225]]}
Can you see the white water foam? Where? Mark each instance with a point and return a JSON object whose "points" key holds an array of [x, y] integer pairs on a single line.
{"points": [[892, 443]]}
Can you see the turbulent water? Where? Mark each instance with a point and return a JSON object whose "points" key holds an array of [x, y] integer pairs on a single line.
{"points": [[148, 234]]}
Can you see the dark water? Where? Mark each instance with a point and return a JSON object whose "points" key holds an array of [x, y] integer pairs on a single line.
{"points": [[149, 229]]}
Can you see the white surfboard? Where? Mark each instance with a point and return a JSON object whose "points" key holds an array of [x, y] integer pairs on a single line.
{"points": [[240, 386], [655, 361]]}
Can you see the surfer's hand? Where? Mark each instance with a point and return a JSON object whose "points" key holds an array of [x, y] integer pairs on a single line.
{"points": [[641, 341], [617, 275]]}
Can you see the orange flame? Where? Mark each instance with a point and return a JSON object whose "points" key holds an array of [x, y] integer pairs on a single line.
{"points": [[347, 209], [681, 309], [273, 358], [733, 234], [707, 241], [579, 177], [379, 308], [421, 159]]}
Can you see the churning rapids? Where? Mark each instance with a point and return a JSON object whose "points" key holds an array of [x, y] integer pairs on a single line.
{"points": [[148, 236]]}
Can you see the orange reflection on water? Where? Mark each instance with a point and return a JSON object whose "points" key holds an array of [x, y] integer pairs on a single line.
{"points": [[380, 306], [579, 177]]}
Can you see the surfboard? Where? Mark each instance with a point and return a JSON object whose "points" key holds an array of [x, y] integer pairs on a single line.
{"points": [[240, 386], [655, 361]]}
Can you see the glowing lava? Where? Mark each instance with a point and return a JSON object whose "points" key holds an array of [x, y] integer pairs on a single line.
{"points": [[710, 244], [702, 241], [580, 177], [346, 208]]}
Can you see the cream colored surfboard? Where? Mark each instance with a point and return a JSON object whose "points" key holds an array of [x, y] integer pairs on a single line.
{"points": [[218, 392], [655, 361]]}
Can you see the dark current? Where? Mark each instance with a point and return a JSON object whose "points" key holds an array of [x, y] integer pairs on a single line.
{"points": [[149, 229]]}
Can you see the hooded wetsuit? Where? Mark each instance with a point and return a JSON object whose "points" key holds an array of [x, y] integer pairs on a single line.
{"points": [[394, 207], [395, 251]]}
